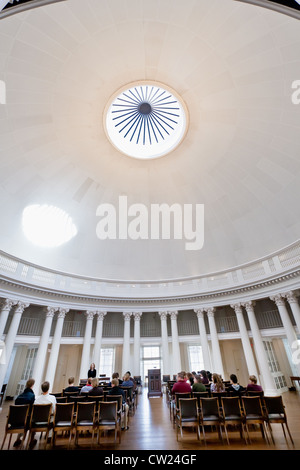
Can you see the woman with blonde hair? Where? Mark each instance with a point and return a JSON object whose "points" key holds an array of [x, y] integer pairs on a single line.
{"points": [[217, 384]]}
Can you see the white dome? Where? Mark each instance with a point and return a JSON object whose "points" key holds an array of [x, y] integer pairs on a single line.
{"points": [[232, 64]]}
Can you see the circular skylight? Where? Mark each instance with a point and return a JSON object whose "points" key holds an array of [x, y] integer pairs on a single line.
{"points": [[146, 120], [47, 226]]}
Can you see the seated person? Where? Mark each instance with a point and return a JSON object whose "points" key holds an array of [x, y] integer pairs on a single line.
{"points": [[234, 385], [27, 397], [71, 388], [198, 386], [116, 390], [116, 376], [204, 377], [217, 384], [252, 386], [127, 382], [96, 390], [87, 387], [181, 386]]}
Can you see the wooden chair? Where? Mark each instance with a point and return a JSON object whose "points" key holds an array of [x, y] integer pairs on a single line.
{"points": [[109, 418], [61, 399], [275, 413], [175, 404], [85, 419], [251, 393], [63, 420], [187, 415], [199, 395], [16, 422], [254, 414], [40, 421], [210, 416], [233, 415]]}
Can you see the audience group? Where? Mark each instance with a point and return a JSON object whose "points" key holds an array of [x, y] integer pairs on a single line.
{"points": [[27, 397], [197, 382]]}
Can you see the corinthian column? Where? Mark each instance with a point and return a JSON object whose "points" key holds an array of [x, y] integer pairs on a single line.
{"points": [[137, 343], [252, 370], [11, 337], [293, 301], [98, 339], [40, 359], [164, 342], [203, 338], [126, 343], [287, 324], [85, 357], [218, 365], [50, 374], [269, 386], [5, 309], [176, 359]]}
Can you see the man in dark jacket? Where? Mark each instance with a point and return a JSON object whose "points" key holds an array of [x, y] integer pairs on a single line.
{"points": [[27, 397], [116, 390]]}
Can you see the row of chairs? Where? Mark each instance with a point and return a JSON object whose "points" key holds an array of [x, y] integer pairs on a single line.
{"points": [[74, 417], [239, 412]]}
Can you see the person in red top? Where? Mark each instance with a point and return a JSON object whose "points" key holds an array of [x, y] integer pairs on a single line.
{"points": [[181, 386], [252, 386]]}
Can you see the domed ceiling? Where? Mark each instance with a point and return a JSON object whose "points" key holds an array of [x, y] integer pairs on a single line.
{"points": [[231, 64]]}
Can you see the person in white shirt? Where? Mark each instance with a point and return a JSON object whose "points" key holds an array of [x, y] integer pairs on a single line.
{"points": [[46, 398]]}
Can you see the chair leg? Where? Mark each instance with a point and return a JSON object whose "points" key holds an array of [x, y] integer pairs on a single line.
{"points": [[3, 440], [289, 434]]}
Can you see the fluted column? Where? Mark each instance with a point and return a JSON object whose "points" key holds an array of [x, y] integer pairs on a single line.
{"points": [[269, 386], [203, 338], [40, 359], [85, 357], [50, 374], [137, 343], [287, 324], [98, 339], [164, 342], [218, 365], [293, 301], [5, 309], [126, 343], [176, 359], [252, 370], [10, 338]]}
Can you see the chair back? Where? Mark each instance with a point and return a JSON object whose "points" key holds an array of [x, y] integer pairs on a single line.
{"points": [[209, 407], [61, 399], [251, 393], [182, 395], [231, 406], [129, 391], [137, 379], [17, 416], [117, 398], [96, 398], [63, 412], [166, 378], [274, 405], [76, 400], [40, 414], [108, 411], [85, 412], [70, 394], [188, 407], [252, 406]]}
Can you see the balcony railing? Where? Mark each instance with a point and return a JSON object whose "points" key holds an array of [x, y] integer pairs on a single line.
{"points": [[34, 326]]}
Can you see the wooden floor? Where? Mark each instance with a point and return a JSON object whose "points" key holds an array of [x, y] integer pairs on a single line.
{"points": [[151, 429]]}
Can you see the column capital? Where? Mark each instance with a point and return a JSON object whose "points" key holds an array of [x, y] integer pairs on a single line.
{"points": [[200, 312], [211, 312], [50, 311], [291, 297], [249, 306], [173, 314], [163, 315], [127, 316], [238, 307], [278, 299], [7, 304], [62, 312], [100, 315], [137, 315], [21, 307], [89, 314]]}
